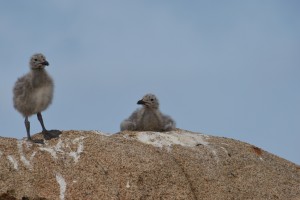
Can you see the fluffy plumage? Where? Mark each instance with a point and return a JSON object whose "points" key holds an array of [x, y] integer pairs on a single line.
{"points": [[148, 118], [33, 92]]}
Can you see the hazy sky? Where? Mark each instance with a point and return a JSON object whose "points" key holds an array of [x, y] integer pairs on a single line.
{"points": [[223, 68]]}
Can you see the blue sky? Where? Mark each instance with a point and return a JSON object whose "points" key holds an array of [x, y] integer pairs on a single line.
{"points": [[223, 68]]}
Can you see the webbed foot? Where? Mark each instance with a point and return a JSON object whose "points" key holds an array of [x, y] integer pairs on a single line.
{"points": [[37, 141], [48, 135]]}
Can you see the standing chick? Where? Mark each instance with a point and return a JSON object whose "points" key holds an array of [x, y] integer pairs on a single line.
{"points": [[33, 93], [148, 118]]}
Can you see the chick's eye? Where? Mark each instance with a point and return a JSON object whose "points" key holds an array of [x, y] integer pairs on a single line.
{"points": [[35, 59], [152, 99]]}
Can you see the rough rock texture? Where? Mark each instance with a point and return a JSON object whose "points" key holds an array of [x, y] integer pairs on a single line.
{"points": [[143, 165]]}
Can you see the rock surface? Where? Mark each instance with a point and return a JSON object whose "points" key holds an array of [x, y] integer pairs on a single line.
{"points": [[143, 165]]}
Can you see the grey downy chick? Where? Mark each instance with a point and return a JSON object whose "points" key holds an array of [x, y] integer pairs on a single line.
{"points": [[148, 118], [33, 93]]}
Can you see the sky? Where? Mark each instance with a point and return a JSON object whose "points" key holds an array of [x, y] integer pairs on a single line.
{"points": [[222, 68]]}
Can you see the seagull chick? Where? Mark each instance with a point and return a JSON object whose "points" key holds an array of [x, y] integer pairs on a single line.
{"points": [[33, 93], [148, 118]]}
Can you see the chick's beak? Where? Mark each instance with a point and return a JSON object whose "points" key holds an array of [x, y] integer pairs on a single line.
{"points": [[45, 63], [141, 102]]}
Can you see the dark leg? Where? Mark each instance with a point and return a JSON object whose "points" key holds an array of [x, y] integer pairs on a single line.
{"points": [[40, 118], [48, 135], [27, 124]]}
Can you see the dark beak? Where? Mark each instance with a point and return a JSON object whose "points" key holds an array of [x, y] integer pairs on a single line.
{"points": [[45, 63], [141, 102]]}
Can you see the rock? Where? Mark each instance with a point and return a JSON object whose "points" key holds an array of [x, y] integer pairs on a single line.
{"points": [[143, 165]]}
